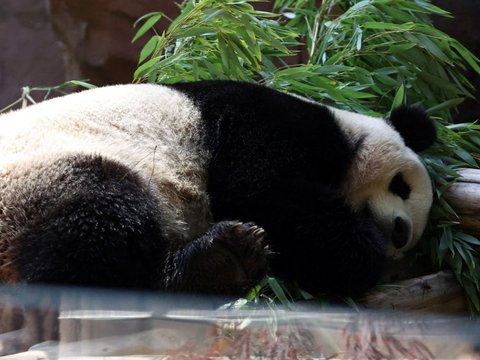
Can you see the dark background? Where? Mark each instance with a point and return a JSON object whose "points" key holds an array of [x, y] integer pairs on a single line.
{"points": [[46, 42]]}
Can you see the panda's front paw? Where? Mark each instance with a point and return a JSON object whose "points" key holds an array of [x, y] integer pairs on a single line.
{"points": [[246, 242], [229, 259]]}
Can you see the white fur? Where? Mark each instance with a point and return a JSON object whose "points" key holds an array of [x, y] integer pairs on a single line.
{"points": [[381, 155], [160, 124], [164, 128]]}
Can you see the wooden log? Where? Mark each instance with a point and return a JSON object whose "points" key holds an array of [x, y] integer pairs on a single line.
{"points": [[464, 197], [30, 355], [438, 292]]}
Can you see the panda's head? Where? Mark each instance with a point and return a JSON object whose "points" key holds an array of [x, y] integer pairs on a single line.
{"points": [[386, 177]]}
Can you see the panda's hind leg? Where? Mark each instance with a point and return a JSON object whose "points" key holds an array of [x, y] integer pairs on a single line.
{"points": [[228, 259]]}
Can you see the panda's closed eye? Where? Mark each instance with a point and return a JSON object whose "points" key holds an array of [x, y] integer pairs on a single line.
{"points": [[399, 187]]}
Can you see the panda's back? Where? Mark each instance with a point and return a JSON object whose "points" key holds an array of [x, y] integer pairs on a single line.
{"points": [[149, 116], [150, 129]]}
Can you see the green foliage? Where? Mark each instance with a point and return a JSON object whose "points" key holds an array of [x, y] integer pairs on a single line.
{"points": [[458, 147], [366, 56], [213, 39]]}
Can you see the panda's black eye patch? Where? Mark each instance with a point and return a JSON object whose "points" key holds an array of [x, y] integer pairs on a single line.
{"points": [[399, 187]]}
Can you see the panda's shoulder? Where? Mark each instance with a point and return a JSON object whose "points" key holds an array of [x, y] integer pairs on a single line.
{"points": [[236, 93]]}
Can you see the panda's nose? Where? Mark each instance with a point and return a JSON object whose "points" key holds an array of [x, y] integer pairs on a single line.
{"points": [[400, 233]]}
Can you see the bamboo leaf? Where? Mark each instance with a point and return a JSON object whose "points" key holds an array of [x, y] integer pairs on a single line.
{"points": [[467, 55], [149, 48], [149, 23], [472, 291], [378, 25], [399, 98], [278, 291], [464, 155], [447, 104], [146, 67], [81, 83]]}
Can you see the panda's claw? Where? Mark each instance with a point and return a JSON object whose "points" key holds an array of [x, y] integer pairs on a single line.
{"points": [[259, 233], [236, 224], [234, 261], [252, 230]]}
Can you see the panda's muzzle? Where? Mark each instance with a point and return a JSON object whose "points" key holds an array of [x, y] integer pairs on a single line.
{"points": [[400, 233]]}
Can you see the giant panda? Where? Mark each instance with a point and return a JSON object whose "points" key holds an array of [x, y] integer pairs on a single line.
{"points": [[205, 187]]}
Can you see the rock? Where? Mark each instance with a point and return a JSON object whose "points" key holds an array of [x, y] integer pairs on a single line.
{"points": [[30, 53], [97, 36]]}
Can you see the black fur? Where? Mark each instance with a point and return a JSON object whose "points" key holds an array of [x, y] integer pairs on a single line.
{"points": [[278, 161], [399, 187], [105, 231], [101, 226], [229, 259], [413, 124]]}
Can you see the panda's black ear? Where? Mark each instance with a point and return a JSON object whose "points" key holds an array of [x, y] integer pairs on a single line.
{"points": [[416, 128]]}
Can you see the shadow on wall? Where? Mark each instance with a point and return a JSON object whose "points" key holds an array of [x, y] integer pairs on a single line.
{"points": [[46, 42], [97, 36], [29, 51]]}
